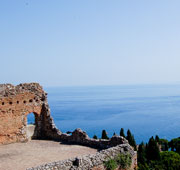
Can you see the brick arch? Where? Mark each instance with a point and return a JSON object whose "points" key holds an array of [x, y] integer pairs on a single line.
{"points": [[16, 102], [36, 117], [32, 130]]}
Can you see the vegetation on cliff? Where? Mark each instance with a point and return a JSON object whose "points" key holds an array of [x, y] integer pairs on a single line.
{"points": [[155, 154], [131, 139], [121, 161]]}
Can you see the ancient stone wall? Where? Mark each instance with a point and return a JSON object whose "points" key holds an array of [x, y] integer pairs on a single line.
{"points": [[91, 162], [16, 102], [108, 149], [80, 137]]}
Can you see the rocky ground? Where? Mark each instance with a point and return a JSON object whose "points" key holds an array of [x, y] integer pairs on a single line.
{"points": [[19, 156]]}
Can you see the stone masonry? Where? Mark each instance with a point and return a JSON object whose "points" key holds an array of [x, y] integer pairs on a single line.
{"points": [[91, 162], [16, 102]]}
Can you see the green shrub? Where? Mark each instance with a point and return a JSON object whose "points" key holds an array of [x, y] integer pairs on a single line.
{"points": [[111, 164], [143, 166], [123, 160], [170, 160]]}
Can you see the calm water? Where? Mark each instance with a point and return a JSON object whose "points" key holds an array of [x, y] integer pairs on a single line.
{"points": [[145, 109]]}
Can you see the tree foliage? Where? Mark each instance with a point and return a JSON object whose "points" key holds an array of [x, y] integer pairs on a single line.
{"points": [[149, 157], [122, 133], [152, 150], [164, 144], [141, 157], [114, 134], [174, 144], [131, 139], [170, 160], [157, 138], [95, 137], [104, 135]]}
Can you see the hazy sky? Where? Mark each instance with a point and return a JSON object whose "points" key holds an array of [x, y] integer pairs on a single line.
{"points": [[89, 42]]}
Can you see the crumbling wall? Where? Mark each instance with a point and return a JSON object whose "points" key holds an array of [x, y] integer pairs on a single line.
{"points": [[91, 162], [16, 102], [80, 137], [108, 149]]}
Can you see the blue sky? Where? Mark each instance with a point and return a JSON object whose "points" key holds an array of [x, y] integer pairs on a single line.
{"points": [[89, 42]]}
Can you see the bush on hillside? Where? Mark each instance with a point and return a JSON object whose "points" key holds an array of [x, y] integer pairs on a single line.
{"points": [[121, 160]]}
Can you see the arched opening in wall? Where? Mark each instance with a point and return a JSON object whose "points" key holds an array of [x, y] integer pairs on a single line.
{"points": [[31, 126]]}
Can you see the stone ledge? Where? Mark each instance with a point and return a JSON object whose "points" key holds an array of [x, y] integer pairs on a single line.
{"points": [[90, 162]]}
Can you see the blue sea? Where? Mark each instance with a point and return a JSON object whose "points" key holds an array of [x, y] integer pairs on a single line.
{"points": [[146, 110]]}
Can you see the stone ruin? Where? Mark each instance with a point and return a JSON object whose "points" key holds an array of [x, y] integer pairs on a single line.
{"points": [[16, 102]]}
